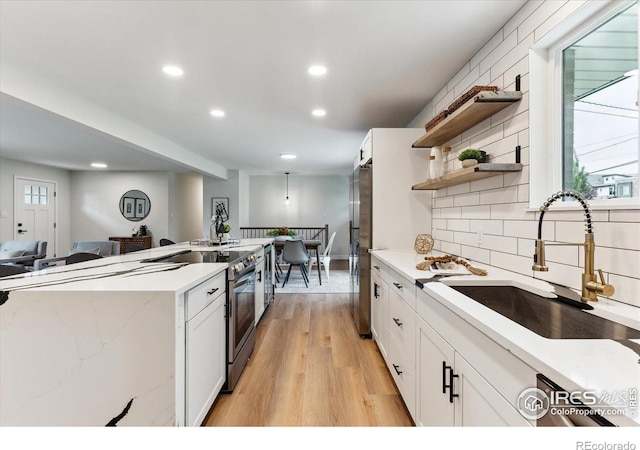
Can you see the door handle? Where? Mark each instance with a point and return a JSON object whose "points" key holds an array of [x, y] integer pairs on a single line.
{"points": [[448, 385]]}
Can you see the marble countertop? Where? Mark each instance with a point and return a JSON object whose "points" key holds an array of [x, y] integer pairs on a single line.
{"points": [[604, 366], [127, 272]]}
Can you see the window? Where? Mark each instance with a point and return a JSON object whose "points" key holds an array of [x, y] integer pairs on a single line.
{"points": [[584, 107], [600, 107], [36, 195]]}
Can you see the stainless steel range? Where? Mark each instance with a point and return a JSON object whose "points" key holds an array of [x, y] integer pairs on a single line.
{"points": [[240, 311]]}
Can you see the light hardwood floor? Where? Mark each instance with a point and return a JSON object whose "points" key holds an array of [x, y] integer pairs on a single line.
{"points": [[311, 368]]}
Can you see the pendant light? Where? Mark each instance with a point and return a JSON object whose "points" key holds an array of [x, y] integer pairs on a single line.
{"points": [[286, 200]]}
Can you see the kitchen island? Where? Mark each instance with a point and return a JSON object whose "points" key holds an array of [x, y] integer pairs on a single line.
{"points": [[101, 342]]}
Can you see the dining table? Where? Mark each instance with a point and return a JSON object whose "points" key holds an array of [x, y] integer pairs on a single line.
{"points": [[309, 244]]}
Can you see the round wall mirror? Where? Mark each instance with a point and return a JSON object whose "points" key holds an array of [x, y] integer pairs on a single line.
{"points": [[135, 205]]}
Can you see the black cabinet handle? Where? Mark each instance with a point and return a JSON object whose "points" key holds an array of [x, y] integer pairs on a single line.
{"points": [[212, 291], [398, 285], [361, 154], [376, 267], [396, 367], [375, 290], [448, 385], [397, 321], [260, 277]]}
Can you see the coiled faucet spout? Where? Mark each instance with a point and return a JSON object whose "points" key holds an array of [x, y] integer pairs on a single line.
{"points": [[590, 285]]}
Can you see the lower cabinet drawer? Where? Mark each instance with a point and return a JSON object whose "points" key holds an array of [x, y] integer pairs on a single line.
{"points": [[197, 298], [404, 288], [402, 325], [403, 373]]}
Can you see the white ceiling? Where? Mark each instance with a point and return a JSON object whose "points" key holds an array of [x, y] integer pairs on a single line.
{"points": [[82, 81]]}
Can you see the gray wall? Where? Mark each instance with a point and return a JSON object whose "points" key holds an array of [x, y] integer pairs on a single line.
{"points": [[315, 200], [95, 204]]}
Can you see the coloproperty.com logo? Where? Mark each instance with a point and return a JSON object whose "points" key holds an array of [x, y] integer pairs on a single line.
{"points": [[534, 403]]}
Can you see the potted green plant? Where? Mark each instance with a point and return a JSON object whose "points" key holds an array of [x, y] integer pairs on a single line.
{"points": [[470, 157]]}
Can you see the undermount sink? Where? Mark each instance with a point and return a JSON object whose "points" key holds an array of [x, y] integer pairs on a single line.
{"points": [[553, 318]]}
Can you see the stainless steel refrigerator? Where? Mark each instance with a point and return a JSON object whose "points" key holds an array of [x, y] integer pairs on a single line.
{"points": [[360, 259]]}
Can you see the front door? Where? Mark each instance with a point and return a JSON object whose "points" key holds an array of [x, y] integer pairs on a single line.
{"points": [[35, 212]]}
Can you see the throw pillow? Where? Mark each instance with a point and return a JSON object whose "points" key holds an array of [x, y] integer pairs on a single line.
{"points": [[6, 254], [95, 251]]}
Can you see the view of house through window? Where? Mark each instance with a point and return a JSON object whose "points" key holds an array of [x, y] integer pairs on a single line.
{"points": [[600, 117]]}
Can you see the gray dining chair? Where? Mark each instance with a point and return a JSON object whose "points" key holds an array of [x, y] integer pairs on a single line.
{"points": [[294, 253]]}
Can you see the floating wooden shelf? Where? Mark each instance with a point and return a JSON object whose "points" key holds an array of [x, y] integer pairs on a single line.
{"points": [[483, 105], [477, 172]]}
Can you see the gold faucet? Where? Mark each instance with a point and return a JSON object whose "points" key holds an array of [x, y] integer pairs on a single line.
{"points": [[590, 285]]}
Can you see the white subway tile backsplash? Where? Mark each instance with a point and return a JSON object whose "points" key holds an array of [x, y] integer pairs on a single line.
{"points": [[514, 55], [486, 226], [439, 224], [511, 211], [504, 195], [443, 235], [620, 235], [617, 260], [443, 202], [490, 136], [470, 199], [500, 243], [556, 18], [526, 247], [486, 49], [562, 274], [523, 192], [523, 13], [450, 247], [450, 213], [475, 254], [538, 17], [469, 239], [476, 212], [497, 208], [516, 124], [518, 179], [458, 224], [511, 262], [624, 215], [527, 229], [501, 50], [458, 189], [487, 183], [627, 289]]}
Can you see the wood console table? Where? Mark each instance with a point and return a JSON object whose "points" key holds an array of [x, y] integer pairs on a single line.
{"points": [[145, 241]]}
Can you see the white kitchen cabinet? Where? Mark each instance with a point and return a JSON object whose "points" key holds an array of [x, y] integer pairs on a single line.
{"points": [[260, 287], [205, 344], [379, 312], [435, 357], [366, 149], [450, 392], [463, 377]]}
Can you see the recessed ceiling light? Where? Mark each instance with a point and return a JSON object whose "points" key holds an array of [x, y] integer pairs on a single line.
{"points": [[99, 165], [217, 113], [317, 70], [319, 112], [287, 156], [173, 71]]}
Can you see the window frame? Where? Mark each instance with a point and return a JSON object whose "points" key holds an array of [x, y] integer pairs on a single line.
{"points": [[545, 110]]}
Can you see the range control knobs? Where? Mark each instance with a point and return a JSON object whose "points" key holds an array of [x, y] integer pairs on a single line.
{"points": [[238, 267], [251, 258]]}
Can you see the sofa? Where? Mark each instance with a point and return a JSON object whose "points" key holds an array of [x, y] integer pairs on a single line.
{"points": [[24, 253]]}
